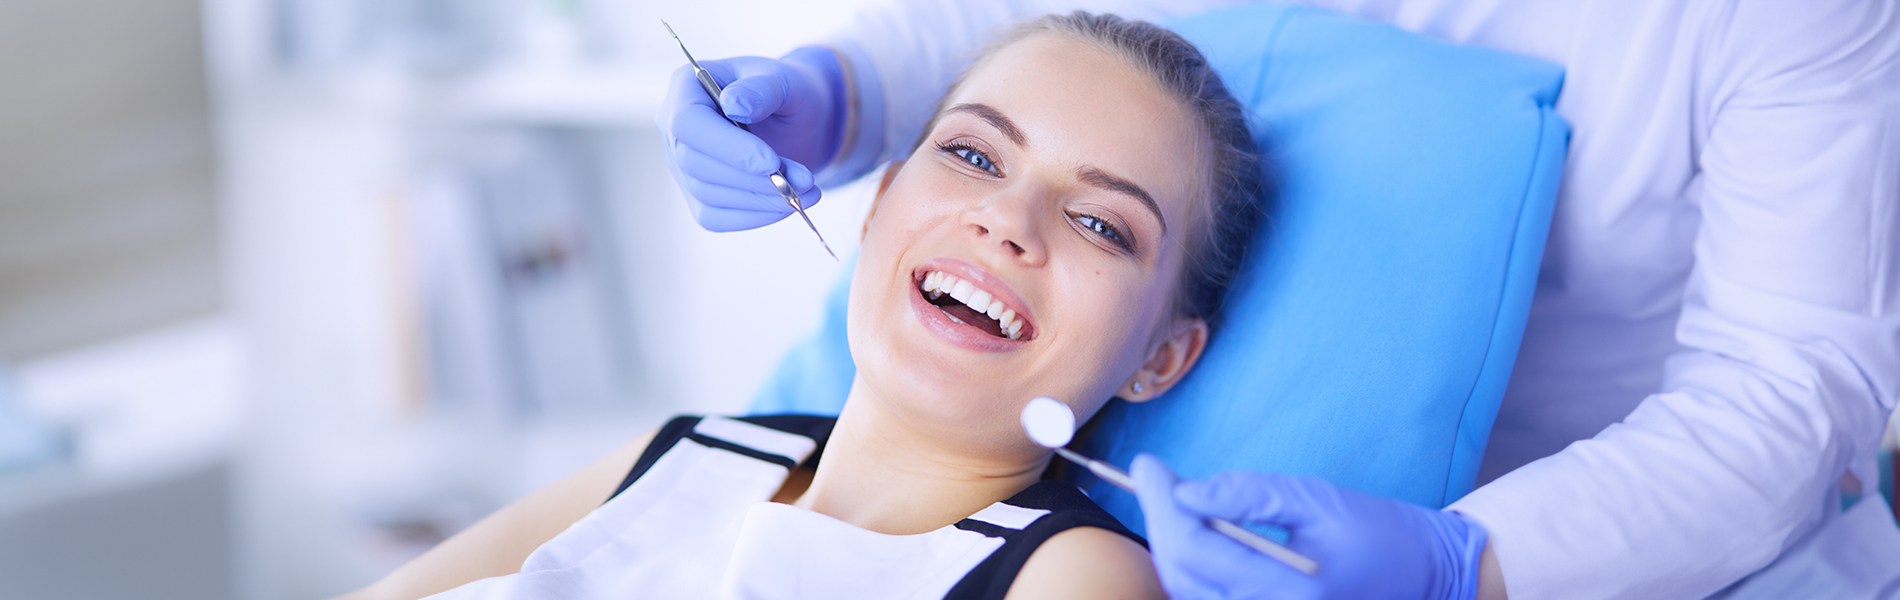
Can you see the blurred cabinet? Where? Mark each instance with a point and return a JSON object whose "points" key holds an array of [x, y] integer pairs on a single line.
{"points": [[163, 538], [108, 216], [521, 292]]}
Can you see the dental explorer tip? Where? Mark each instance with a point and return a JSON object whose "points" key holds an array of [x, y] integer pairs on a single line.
{"points": [[682, 44]]}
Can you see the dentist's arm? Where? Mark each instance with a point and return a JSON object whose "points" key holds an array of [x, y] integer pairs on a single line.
{"points": [[1789, 328]]}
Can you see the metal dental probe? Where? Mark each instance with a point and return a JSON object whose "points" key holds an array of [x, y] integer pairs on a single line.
{"points": [[1121, 479], [778, 177], [1051, 424]]}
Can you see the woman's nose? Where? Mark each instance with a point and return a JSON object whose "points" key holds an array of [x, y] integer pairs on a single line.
{"points": [[1006, 223]]}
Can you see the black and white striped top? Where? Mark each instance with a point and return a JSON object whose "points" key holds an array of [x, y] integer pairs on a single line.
{"points": [[693, 519]]}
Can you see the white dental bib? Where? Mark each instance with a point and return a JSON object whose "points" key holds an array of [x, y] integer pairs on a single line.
{"points": [[695, 520]]}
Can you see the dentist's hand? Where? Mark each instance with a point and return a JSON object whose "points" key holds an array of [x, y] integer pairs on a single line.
{"points": [[1366, 546], [795, 108]]}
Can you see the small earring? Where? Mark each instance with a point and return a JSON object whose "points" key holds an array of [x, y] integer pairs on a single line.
{"points": [[1137, 388]]}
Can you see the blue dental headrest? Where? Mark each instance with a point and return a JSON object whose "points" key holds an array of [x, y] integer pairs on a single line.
{"points": [[1370, 337]]}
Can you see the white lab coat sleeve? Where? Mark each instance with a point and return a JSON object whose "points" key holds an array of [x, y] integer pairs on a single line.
{"points": [[1789, 327], [900, 57]]}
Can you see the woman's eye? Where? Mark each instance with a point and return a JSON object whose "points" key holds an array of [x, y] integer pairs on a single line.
{"points": [[973, 157], [1104, 229]]}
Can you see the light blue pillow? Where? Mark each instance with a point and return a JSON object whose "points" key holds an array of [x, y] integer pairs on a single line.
{"points": [[1369, 339]]}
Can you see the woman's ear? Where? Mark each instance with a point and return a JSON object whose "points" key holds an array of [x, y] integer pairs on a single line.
{"points": [[1168, 362], [890, 173]]}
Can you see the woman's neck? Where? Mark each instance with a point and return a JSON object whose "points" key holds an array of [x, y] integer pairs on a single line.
{"points": [[885, 474]]}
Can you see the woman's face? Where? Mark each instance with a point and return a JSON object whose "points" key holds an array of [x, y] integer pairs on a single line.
{"points": [[1054, 186]]}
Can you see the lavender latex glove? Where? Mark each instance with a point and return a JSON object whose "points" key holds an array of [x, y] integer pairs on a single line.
{"points": [[795, 108], [1367, 547]]}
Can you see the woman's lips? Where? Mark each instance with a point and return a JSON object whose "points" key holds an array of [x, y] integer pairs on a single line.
{"points": [[967, 303], [968, 307], [963, 335]]}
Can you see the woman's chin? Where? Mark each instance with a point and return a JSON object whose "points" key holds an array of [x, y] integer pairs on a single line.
{"points": [[937, 392]]}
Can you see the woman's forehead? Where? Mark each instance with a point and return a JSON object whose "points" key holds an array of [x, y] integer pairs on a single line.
{"points": [[1054, 72]]}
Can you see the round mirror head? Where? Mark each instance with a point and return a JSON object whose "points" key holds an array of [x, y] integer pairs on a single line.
{"points": [[1049, 422]]}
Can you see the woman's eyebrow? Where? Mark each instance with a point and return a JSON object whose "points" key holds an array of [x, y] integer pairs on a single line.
{"points": [[996, 119], [1107, 181], [1089, 175]]}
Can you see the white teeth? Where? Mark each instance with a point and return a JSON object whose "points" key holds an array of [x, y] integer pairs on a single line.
{"points": [[936, 284], [980, 301], [961, 291], [1010, 325]]}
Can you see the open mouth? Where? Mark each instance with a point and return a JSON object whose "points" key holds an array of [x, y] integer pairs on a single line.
{"points": [[969, 305]]}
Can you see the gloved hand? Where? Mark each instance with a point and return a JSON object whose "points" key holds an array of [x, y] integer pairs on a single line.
{"points": [[795, 108], [1366, 546]]}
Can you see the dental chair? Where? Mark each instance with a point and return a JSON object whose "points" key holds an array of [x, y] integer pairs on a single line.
{"points": [[1369, 338]]}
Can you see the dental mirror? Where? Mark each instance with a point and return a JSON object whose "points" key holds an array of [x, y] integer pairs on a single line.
{"points": [[1051, 424], [1048, 422]]}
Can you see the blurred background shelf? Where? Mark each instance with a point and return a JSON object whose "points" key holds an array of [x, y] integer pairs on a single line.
{"points": [[596, 98]]}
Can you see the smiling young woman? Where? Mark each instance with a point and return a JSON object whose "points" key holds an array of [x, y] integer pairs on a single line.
{"points": [[1050, 235]]}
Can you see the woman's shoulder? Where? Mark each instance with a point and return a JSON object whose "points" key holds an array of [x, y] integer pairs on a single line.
{"points": [[1071, 549], [1088, 562]]}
